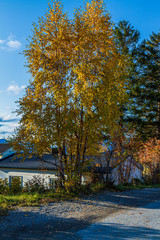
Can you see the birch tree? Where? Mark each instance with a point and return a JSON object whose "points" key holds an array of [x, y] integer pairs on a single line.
{"points": [[78, 83]]}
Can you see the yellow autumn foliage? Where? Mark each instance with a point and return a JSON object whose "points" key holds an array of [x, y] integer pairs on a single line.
{"points": [[78, 84]]}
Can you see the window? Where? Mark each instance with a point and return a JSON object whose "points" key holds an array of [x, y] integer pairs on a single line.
{"points": [[53, 182], [14, 178]]}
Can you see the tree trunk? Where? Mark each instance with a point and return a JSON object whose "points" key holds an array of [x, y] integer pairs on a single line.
{"points": [[61, 170]]}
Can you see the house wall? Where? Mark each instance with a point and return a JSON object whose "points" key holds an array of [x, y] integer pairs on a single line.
{"points": [[27, 174], [135, 173]]}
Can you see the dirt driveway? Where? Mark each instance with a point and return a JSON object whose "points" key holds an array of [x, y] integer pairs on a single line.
{"points": [[66, 220]]}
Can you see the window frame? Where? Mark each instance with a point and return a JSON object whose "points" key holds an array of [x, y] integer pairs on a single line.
{"points": [[11, 177]]}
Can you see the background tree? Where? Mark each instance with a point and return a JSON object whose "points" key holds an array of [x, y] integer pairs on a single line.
{"points": [[121, 151], [149, 157], [127, 40], [78, 83], [148, 93], [142, 109]]}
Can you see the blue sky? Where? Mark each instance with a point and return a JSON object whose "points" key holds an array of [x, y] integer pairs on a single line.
{"points": [[16, 18]]}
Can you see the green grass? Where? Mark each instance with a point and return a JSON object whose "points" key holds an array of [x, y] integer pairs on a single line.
{"points": [[8, 202], [25, 199], [131, 187], [11, 201]]}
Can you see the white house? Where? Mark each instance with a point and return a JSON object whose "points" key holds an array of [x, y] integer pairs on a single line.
{"points": [[118, 171], [126, 171], [12, 166]]}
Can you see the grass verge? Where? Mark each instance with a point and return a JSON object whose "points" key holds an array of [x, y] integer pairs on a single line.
{"points": [[9, 202], [131, 187]]}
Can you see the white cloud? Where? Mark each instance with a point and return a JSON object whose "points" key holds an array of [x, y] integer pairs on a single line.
{"points": [[14, 44], [6, 117], [15, 88], [8, 123], [10, 44], [8, 108], [12, 125], [2, 41], [11, 37]]}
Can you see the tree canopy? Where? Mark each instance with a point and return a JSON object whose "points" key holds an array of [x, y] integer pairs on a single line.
{"points": [[78, 83], [148, 93]]}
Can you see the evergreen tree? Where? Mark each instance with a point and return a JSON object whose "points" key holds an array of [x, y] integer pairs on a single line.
{"points": [[148, 93], [127, 39], [143, 108]]}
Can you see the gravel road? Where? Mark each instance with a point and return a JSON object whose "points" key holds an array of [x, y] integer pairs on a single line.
{"points": [[83, 218], [138, 223]]}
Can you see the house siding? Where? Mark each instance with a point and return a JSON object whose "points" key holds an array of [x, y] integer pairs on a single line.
{"points": [[134, 173], [27, 174]]}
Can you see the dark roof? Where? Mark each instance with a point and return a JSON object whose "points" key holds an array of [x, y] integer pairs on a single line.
{"points": [[132, 160], [137, 164], [4, 147], [100, 160], [3, 140], [102, 170], [29, 163]]}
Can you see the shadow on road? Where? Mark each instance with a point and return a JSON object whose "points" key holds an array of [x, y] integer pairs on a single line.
{"points": [[133, 198], [35, 226], [118, 231], [30, 225]]}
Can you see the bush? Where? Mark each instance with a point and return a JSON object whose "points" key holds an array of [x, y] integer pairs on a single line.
{"points": [[71, 186], [4, 186], [136, 182], [126, 184], [98, 186], [16, 185], [36, 184], [109, 183], [147, 179]]}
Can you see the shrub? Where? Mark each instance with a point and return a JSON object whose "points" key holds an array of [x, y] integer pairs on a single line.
{"points": [[71, 185], [136, 182], [4, 186], [147, 179], [16, 185], [126, 183], [98, 186], [36, 184], [109, 183]]}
